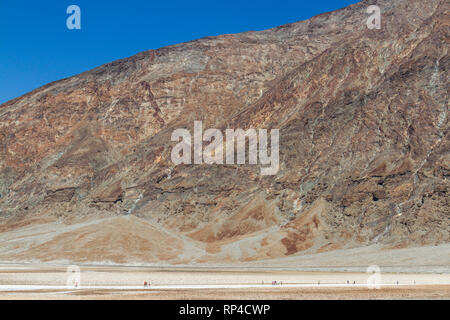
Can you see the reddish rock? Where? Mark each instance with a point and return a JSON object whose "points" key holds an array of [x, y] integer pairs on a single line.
{"points": [[363, 119]]}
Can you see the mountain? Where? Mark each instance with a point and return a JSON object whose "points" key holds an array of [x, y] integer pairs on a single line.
{"points": [[85, 162]]}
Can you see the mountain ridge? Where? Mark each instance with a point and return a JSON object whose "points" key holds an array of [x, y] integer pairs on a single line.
{"points": [[364, 149]]}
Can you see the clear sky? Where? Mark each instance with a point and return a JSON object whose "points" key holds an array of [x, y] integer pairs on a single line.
{"points": [[36, 47]]}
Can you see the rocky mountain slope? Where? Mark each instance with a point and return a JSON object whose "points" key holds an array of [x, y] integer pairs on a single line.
{"points": [[86, 173]]}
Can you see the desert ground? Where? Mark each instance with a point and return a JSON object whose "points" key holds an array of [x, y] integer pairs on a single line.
{"points": [[47, 281], [35, 259]]}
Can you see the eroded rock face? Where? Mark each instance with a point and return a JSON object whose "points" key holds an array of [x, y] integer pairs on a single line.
{"points": [[364, 140]]}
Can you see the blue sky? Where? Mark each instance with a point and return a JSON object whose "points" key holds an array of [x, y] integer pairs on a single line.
{"points": [[37, 48]]}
